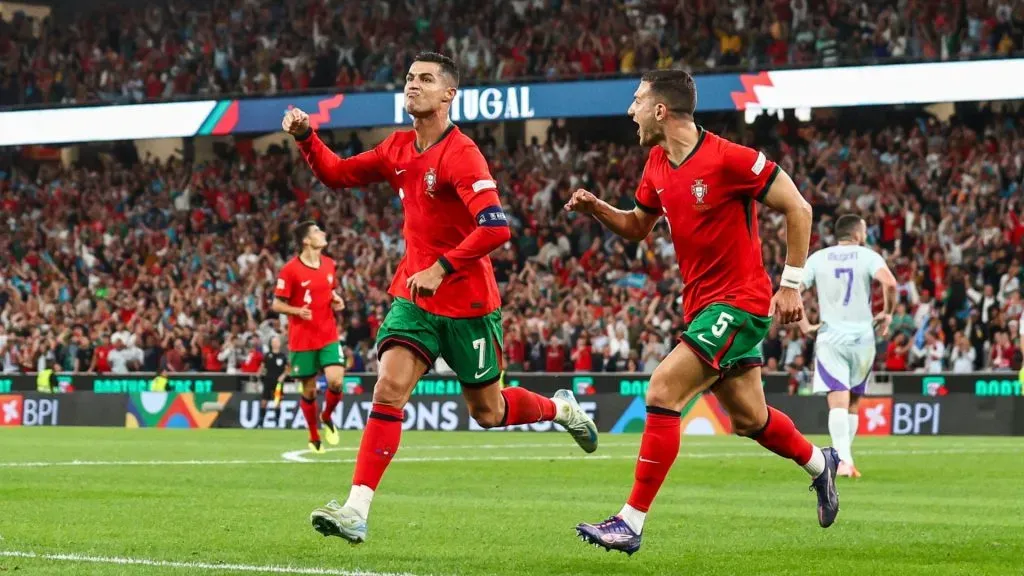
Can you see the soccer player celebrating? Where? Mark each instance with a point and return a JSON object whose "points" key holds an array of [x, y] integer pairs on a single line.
{"points": [[845, 349], [446, 297], [305, 292], [705, 186]]}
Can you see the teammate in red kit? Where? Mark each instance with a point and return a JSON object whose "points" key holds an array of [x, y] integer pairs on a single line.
{"points": [[706, 186], [446, 297], [305, 292]]}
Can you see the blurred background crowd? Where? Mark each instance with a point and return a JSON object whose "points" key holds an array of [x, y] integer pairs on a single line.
{"points": [[149, 265], [120, 51], [119, 264]]}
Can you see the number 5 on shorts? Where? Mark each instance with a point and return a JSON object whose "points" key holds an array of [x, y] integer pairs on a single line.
{"points": [[718, 330], [722, 324]]}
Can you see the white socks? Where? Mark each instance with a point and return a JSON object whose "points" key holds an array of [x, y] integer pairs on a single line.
{"points": [[854, 422], [816, 465], [360, 498], [562, 411], [633, 518], [839, 429]]}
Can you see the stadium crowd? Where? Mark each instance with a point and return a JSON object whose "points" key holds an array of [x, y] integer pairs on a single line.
{"points": [[131, 52], [170, 266]]}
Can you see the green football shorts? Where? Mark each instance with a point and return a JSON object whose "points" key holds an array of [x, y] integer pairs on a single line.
{"points": [[470, 346], [309, 363], [726, 337]]}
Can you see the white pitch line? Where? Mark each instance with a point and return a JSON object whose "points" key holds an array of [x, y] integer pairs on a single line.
{"points": [[81, 558], [488, 458], [297, 455]]}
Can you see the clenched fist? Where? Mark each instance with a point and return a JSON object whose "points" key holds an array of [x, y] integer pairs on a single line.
{"points": [[582, 201], [295, 122]]}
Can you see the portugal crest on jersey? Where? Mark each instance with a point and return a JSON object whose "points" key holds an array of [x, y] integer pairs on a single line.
{"points": [[430, 179], [699, 190]]}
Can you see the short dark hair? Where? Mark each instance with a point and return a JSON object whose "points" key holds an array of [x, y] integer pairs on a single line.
{"points": [[448, 65], [846, 225], [300, 232], [675, 88]]}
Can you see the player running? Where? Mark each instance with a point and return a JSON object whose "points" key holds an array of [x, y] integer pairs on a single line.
{"points": [[845, 348], [706, 186], [446, 297], [305, 292]]}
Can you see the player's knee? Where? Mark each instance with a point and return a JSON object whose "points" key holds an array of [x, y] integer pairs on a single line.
{"points": [[661, 393], [389, 391], [486, 416], [334, 381], [746, 427]]}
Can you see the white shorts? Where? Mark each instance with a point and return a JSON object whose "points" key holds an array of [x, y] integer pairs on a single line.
{"points": [[843, 362]]}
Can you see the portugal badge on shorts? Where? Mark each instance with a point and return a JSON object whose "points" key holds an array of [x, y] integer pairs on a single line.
{"points": [[699, 190], [430, 179]]}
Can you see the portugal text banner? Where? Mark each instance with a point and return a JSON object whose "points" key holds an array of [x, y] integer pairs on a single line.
{"points": [[774, 89]]}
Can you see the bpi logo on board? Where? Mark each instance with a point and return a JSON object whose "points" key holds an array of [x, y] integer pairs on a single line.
{"points": [[875, 417], [10, 410]]}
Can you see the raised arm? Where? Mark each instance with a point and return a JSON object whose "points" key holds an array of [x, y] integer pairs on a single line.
{"points": [[333, 171]]}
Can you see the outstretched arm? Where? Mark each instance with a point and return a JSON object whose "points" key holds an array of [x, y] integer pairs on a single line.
{"points": [[333, 171], [633, 225]]}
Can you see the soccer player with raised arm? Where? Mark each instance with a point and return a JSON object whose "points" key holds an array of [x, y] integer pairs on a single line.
{"points": [[845, 348], [706, 187], [305, 292], [446, 297]]}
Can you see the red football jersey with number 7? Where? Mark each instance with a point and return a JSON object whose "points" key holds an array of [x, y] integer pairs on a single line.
{"points": [[304, 287], [709, 202]]}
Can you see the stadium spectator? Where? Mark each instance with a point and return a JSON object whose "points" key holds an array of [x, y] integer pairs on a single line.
{"points": [[110, 53], [178, 258]]}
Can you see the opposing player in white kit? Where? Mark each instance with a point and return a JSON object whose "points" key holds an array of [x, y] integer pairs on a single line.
{"points": [[845, 349]]}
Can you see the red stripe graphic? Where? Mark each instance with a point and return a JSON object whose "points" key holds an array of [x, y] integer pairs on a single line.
{"points": [[227, 122], [749, 81]]}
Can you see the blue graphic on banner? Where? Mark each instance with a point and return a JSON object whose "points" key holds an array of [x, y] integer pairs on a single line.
{"points": [[476, 104]]}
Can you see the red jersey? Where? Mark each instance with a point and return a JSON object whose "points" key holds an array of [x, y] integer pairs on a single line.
{"points": [[304, 287], [708, 201], [447, 192]]}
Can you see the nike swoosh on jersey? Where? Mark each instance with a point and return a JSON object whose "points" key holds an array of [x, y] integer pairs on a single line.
{"points": [[705, 340], [482, 374], [306, 283], [398, 172]]}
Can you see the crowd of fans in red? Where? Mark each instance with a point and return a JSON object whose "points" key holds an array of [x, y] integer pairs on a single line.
{"points": [[170, 266], [130, 52]]}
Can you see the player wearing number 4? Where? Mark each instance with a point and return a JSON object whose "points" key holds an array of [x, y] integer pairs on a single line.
{"points": [[305, 292], [845, 348], [706, 187], [446, 297]]}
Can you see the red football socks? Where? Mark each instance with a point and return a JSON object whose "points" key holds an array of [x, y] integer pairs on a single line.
{"points": [[380, 442], [331, 399], [781, 437], [308, 406], [525, 407], [659, 447]]}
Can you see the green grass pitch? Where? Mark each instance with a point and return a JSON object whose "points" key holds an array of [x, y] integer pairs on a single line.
{"points": [[169, 502]]}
